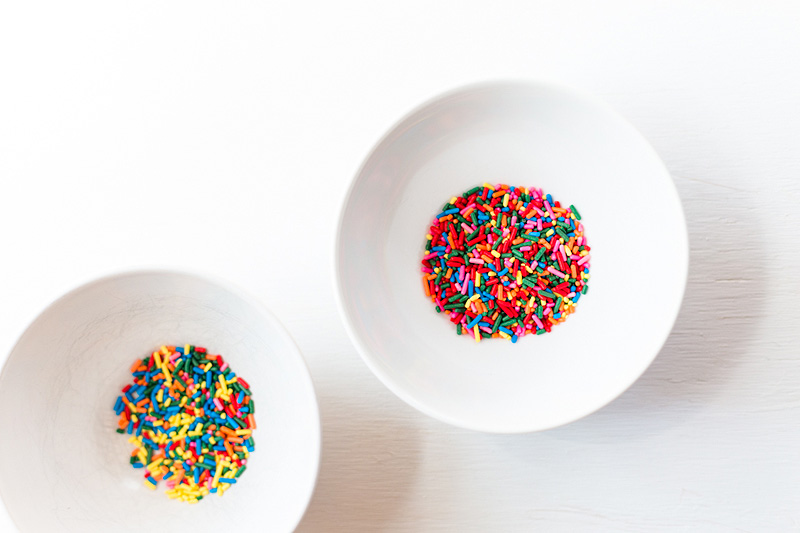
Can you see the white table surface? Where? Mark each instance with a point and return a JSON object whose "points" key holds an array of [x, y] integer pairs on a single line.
{"points": [[178, 134]]}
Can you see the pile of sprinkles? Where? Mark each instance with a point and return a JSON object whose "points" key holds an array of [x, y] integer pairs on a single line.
{"points": [[190, 419], [505, 261]]}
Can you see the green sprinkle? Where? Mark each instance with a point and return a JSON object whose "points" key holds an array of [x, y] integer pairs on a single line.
{"points": [[577, 215], [458, 329]]}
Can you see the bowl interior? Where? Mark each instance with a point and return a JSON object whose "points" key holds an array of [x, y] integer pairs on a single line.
{"points": [[63, 467], [533, 135]]}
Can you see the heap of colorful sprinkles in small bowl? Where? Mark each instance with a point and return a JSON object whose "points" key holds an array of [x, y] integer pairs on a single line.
{"points": [[506, 261], [190, 419]]}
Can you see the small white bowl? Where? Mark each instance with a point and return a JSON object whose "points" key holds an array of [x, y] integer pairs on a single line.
{"points": [[526, 134], [62, 465]]}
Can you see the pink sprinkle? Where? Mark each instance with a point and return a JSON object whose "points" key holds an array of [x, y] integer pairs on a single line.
{"points": [[524, 248], [223, 367], [427, 270], [538, 322], [430, 256], [476, 261], [584, 259], [218, 404], [556, 272]]}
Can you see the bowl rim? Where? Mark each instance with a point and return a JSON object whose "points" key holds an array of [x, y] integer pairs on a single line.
{"points": [[357, 179], [260, 307]]}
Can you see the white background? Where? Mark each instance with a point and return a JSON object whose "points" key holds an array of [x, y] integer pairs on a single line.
{"points": [[221, 137]]}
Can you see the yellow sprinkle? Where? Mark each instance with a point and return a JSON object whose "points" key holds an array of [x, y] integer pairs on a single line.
{"points": [[243, 431], [489, 186], [453, 200], [495, 253], [519, 277], [157, 357], [217, 475], [477, 334], [429, 236], [505, 201], [160, 395]]}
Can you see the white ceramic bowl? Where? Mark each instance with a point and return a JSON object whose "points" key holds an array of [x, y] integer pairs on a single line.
{"points": [[62, 465], [526, 134]]}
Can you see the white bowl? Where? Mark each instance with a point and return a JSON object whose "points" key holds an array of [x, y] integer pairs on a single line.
{"points": [[62, 465], [526, 134]]}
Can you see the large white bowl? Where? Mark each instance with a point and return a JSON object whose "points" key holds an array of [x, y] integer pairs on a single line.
{"points": [[62, 465], [525, 134]]}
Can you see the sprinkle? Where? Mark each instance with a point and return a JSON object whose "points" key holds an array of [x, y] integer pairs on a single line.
{"points": [[504, 261], [190, 419]]}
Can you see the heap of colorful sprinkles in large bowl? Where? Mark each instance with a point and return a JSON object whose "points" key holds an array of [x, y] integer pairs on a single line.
{"points": [[190, 419], [505, 261]]}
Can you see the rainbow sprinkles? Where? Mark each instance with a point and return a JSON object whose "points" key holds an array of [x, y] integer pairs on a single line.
{"points": [[506, 261]]}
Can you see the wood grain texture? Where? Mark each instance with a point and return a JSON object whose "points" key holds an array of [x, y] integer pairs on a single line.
{"points": [[151, 134]]}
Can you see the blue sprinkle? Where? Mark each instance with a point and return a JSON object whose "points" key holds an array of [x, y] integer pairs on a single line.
{"points": [[167, 475], [514, 338], [227, 480], [130, 427], [475, 321], [506, 330], [138, 465]]}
